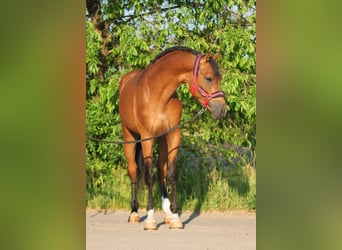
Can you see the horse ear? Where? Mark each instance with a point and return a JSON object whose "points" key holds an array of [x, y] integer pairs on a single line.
{"points": [[215, 57], [207, 57]]}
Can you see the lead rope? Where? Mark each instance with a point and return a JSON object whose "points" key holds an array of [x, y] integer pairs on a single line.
{"points": [[150, 138]]}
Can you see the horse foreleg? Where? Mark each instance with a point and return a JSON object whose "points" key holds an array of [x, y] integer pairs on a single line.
{"points": [[173, 142], [132, 172], [162, 170], [130, 150], [134, 216], [147, 146]]}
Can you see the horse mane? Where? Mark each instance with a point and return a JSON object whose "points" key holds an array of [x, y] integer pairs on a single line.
{"points": [[186, 49], [174, 48]]}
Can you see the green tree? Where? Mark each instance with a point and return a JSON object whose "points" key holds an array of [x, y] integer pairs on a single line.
{"points": [[126, 35]]}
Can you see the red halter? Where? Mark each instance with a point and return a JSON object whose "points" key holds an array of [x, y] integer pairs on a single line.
{"points": [[204, 93]]}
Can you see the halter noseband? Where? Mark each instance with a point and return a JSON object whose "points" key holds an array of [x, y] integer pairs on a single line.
{"points": [[204, 93]]}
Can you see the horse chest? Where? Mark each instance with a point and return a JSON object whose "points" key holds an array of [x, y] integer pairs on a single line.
{"points": [[156, 122]]}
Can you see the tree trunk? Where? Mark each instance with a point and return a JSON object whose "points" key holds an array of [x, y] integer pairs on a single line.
{"points": [[101, 26]]}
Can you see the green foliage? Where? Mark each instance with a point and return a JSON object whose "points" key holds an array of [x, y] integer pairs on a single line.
{"points": [[93, 40], [127, 36]]}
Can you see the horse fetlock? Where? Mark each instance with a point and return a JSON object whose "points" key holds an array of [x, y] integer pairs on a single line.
{"points": [[134, 205], [166, 205], [174, 207]]}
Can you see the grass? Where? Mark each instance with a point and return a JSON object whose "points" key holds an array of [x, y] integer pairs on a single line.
{"points": [[204, 184], [208, 186]]}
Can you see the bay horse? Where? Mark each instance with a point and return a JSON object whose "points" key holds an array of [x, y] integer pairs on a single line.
{"points": [[148, 106]]}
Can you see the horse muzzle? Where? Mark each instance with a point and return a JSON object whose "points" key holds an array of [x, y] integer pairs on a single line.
{"points": [[218, 109]]}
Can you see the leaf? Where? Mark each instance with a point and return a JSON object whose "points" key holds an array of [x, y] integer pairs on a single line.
{"points": [[93, 85]]}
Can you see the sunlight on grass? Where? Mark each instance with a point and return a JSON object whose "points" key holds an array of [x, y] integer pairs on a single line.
{"points": [[200, 188]]}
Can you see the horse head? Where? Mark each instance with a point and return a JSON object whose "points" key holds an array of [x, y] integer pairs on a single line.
{"points": [[206, 86]]}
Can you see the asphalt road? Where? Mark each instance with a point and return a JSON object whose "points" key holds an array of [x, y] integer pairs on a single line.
{"points": [[230, 231]]}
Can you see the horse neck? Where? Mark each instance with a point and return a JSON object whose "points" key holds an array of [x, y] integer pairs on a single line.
{"points": [[168, 73]]}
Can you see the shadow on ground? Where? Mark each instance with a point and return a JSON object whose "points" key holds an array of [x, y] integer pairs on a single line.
{"points": [[214, 179]]}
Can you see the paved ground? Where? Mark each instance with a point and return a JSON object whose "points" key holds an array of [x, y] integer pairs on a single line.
{"points": [[204, 231]]}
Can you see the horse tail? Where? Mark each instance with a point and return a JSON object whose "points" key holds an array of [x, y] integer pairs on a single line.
{"points": [[139, 159]]}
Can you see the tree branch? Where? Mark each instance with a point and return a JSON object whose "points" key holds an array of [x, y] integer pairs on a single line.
{"points": [[239, 18], [127, 18]]}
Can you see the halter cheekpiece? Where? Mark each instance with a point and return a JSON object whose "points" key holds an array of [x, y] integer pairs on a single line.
{"points": [[195, 85]]}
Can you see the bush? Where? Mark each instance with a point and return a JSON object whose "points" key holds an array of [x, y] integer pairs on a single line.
{"points": [[219, 153]]}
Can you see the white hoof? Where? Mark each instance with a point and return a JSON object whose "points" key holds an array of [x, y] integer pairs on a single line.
{"points": [[150, 225], [176, 224]]}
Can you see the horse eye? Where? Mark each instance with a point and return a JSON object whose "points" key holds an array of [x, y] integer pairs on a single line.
{"points": [[209, 79]]}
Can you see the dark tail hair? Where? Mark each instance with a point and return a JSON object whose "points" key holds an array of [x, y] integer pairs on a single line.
{"points": [[139, 159]]}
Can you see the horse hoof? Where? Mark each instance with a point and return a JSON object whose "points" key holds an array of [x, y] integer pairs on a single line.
{"points": [[167, 219], [134, 217], [150, 225], [176, 224]]}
